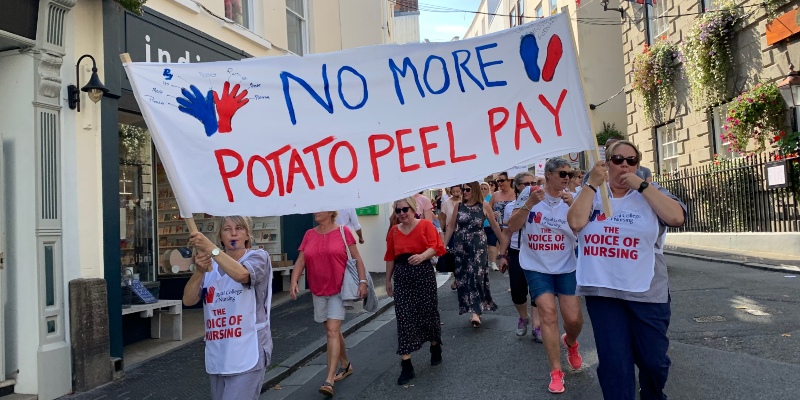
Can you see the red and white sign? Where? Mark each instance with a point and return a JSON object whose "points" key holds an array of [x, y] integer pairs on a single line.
{"points": [[284, 135]]}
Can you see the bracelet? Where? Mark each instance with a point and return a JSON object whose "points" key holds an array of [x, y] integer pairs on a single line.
{"points": [[591, 187], [525, 206], [362, 281]]}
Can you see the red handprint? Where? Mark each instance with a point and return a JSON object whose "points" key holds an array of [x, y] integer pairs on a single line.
{"points": [[210, 295], [228, 104]]}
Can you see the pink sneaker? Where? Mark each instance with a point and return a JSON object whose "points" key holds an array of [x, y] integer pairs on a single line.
{"points": [[574, 358], [556, 382]]}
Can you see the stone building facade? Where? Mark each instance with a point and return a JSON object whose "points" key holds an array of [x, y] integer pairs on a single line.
{"points": [[689, 135]]}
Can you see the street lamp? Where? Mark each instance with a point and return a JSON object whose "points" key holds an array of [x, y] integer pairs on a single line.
{"points": [[94, 88], [790, 88]]}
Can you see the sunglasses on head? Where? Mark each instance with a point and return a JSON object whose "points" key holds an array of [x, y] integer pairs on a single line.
{"points": [[401, 210], [501, 180], [618, 160], [564, 174]]}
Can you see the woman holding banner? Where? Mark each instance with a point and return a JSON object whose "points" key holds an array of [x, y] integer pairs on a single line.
{"points": [[410, 245], [547, 257], [234, 285], [516, 276], [623, 274], [323, 252], [465, 226]]}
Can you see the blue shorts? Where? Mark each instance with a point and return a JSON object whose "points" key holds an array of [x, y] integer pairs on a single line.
{"points": [[491, 238], [540, 283]]}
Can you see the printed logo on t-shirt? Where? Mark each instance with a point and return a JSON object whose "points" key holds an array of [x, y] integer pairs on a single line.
{"points": [[597, 215], [209, 295], [535, 217], [628, 218]]}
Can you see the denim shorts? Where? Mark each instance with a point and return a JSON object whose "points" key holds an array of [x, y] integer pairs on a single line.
{"points": [[540, 283]]}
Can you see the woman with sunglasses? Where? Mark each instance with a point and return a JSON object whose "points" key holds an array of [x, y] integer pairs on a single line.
{"points": [[503, 196], [465, 226], [574, 186], [547, 257], [516, 276], [410, 245], [623, 274]]}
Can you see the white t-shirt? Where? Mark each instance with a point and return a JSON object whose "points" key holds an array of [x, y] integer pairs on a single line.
{"points": [[548, 243], [447, 208], [348, 217]]}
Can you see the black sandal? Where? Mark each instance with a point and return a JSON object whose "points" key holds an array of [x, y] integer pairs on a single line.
{"points": [[476, 324], [326, 389], [343, 372]]}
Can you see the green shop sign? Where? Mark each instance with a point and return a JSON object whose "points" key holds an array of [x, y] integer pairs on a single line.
{"points": [[368, 210]]}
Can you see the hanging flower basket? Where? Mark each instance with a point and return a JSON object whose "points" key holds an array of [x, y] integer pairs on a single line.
{"points": [[708, 55], [758, 115], [134, 6], [654, 73]]}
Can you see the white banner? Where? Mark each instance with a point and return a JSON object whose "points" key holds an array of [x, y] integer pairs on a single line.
{"points": [[285, 135]]}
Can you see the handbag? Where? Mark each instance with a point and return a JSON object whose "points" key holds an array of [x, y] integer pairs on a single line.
{"points": [[351, 281], [447, 262]]}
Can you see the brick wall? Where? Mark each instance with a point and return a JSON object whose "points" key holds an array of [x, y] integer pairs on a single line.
{"points": [[754, 61]]}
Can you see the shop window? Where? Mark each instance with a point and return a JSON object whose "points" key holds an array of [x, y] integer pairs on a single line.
{"points": [[553, 7], [668, 148], [239, 11], [657, 22], [296, 26], [538, 11]]}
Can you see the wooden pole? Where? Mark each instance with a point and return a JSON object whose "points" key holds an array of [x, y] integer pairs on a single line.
{"points": [[126, 58], [604, 196]]}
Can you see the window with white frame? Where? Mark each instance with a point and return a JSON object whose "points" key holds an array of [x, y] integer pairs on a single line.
{"points": [[657, 22], [722, 146], [239, 11], [296, 26], [553, 7], [538, 11], [521, 8], [513, 17], [668, 148]]}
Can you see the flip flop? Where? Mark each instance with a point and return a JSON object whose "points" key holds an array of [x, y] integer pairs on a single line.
{"points": [[476, 324], [326, 389], [343, 372]]}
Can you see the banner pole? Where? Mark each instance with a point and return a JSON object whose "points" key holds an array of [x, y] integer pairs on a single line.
{"points": [[126, 58], [604, 196]]}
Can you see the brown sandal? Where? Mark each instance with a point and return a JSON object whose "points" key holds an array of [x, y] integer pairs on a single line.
{"points": [[343, 372], [326, 389]]}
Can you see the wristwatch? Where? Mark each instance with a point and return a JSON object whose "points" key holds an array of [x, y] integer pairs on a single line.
{"points": [[215, 252], [643, 186]]}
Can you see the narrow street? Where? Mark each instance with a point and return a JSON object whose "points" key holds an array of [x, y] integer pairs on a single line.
{"points": [[735, 335]]}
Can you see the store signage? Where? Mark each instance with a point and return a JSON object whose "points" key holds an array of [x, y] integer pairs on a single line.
{"points": [[285, 135]]}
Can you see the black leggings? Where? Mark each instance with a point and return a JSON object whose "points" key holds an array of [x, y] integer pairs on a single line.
{"points": [[516, 278]]}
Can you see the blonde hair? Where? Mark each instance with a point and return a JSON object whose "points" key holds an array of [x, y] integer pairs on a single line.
{"points": [[610, 151], [412, 202], [242, 221]]}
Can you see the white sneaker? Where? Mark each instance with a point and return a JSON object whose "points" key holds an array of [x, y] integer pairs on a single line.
{"points": [[494, 267]]}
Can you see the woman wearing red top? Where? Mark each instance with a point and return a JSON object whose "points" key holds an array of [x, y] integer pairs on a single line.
{"points": [[324, 253], [409, 247]]}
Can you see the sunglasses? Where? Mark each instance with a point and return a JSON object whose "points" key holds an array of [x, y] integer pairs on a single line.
{"points": [[501, 180], [466, 189], [564, 174], [527, 183], [618, 159], [401, 210]]}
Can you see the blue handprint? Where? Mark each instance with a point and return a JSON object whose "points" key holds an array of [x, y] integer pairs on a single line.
{"points": [[200, 107]]}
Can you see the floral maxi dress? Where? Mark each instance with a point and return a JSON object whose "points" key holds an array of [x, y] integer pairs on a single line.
{"points": [[472, 266]]}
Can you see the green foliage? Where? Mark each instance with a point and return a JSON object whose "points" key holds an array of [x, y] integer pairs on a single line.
{"points": [[654, 73], [708, 55], [134, 6], [609, 131], [758, 114], [771, 7]]}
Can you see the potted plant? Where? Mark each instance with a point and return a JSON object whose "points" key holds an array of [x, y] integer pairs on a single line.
{"points": [[758, 115], [609, 131], [708, 56], [653, 78]]}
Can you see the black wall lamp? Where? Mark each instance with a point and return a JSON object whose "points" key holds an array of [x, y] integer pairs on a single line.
{"points": [[94, 88], [604, 3]]}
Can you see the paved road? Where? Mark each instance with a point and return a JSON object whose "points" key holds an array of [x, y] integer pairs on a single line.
{"points": [[750, 349]]}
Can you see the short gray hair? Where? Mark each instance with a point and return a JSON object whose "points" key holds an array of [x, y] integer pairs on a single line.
{"points": [[555, 163], [518, 177]]}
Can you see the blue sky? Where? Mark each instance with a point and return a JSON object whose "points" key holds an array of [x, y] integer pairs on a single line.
{"points": [[442, 26]]}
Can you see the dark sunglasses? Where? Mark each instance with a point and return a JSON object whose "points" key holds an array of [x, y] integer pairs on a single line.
{"points": [[401, 210], [564, 174], [618, 159], [501, 180], [466, 189], [526, 183]]}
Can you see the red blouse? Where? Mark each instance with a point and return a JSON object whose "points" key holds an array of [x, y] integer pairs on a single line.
{"points": [[424, 236]]}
